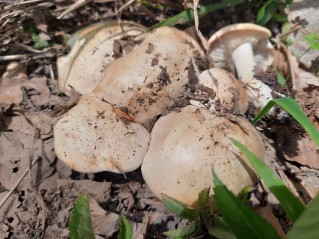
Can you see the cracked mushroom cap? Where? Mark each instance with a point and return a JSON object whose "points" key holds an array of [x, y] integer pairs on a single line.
{"points": [[93, 49], [94, 136], [232, 95], [151, 78], [185, 147], [226, 40]]}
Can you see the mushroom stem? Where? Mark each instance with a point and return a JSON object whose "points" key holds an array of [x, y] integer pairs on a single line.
{"points": [[243, 58]]}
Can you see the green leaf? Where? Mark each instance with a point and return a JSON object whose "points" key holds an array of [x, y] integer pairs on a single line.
{"points": [[245, 193], [214, 223], [265, 12], [244, 222], [126, 230], [279, 18], [80, 224], [180, 209], [306, 227], [292, 107], [289, 42], [187, 16], [203, 199], [184, 232], [38, 43], [313, 40], [221, 230], [205, 211], [280, 78], [289, 202]]}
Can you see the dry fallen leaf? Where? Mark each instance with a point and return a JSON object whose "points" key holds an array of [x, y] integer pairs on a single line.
{"points": [[15, 86]]}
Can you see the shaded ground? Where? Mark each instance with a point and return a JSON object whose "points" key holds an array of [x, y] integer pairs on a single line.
{"points": [[30, 103]]}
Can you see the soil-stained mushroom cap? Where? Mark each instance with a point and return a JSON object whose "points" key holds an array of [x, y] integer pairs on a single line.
{"points": [[93, 49], [231, 93], [185, 147], [225, 41], [93, 137], [153, 76]]}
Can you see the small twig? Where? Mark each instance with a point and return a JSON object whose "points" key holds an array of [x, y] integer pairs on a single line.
{"points": [[41, 55], [25, 2], [21, 46], [204, 42], [119, 11], [13, 58], [17, 183], [73, 7], [51, 73], [294, 28]]}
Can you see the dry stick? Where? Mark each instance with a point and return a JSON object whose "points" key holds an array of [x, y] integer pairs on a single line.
{"points": [[73, 7], [17, 183], [41, 55], [26, 2], [13, 57], [204, 42]]}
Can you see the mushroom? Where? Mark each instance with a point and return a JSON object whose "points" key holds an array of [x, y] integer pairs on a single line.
{"points": [[246, 47], [94, 136], [185, 146], [229, 91], [151, 78], [92, 50]]}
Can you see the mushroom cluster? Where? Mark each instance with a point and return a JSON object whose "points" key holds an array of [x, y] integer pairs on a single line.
{"points": [[104, 131], [127, 114]]}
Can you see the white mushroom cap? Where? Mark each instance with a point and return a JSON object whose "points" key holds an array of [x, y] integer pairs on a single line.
{"points": [[152, 77], [232, 95], [93, 137], [92, 51], [185, 147], [225, 41], [246, 47]]}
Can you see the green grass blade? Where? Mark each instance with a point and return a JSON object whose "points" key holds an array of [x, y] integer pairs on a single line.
{"points": [[243, 221], [289, 202], [306, 227], [292, 107], [126, 230], [215, 225], [221, 230], [187, 16], [203, 198], [180, 209], [80, 224]]}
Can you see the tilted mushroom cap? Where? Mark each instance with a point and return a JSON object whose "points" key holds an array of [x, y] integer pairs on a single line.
{"points": [[153, 76], [226, 40], [232, 95], [92, 51], [244, 48], [93, 137], [185, 147]]}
